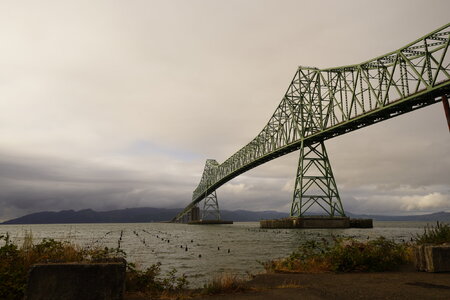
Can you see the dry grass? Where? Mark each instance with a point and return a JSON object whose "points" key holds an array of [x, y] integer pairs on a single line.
{"points": [[309, 265], [225, 283]]}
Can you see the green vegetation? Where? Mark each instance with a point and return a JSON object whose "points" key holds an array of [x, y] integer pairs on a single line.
{"points": [[350, 255], [12, 271], [149, 281], [438, 234], [15, 263], [344, 255]]}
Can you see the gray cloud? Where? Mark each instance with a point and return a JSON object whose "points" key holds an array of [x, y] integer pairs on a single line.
{"points": [[108, 105], [33, 183]]}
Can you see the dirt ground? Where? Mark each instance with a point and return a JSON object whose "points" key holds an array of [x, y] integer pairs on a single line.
{"points": [[387, 285], [407, 284]]}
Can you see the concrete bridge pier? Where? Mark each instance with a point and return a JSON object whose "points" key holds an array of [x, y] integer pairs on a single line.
{"points": [[315, 222]]}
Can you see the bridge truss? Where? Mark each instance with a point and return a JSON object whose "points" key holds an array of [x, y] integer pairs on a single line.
{"points": [[320, 104]]}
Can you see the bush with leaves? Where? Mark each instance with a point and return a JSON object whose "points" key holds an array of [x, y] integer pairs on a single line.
{"points": [[12, 270], [343, 255], [149, 281], [377, 255]]}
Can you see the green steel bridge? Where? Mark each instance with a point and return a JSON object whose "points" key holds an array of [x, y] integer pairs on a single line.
{"points": [[320, 104]]}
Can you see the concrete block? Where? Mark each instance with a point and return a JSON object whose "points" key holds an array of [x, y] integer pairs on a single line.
{"points": [[74, 281], [419, 258], [432, 258], [437, 258]]}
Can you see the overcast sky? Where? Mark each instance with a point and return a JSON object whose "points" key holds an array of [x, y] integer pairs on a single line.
{"points": [[114, 104]]}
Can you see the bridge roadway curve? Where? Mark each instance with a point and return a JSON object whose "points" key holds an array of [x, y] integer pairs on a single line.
{"points": [[431, 92]]}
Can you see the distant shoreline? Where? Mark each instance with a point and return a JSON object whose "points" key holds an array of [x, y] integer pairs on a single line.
{"points": [[162, 215]]}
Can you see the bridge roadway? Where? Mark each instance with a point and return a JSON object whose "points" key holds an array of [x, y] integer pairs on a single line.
{"points": [[322, 104]]}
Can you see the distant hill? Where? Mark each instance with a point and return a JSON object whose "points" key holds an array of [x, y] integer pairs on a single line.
{"points": [[438, 216], [128, 215], [151, 214], [132, 215]]}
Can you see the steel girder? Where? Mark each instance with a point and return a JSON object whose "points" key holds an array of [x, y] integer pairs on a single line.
{"points": [[315, 183], [323, 103], [211, 207]]}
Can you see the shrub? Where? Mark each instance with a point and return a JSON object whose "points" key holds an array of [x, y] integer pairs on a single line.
{"points": [[149, 281], [373, 256], [12, 270], [438, 234], [15, 263], [343, 255]]}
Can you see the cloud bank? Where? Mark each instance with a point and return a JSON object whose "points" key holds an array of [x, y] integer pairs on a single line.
{"points": [[110, 105]]}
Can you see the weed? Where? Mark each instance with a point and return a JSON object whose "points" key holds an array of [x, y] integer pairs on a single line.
{"points": [[438, 234]]}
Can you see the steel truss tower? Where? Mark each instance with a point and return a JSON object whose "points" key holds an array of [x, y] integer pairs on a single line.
{"points": [[315, 183], [211, 207]]}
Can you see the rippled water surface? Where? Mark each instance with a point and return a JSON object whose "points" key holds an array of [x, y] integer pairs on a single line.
{"points": [[200, 251]]}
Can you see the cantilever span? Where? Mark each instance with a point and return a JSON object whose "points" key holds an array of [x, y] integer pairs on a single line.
{"points": [[320, 104]]}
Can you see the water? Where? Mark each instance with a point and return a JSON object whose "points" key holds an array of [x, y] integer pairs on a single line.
{"points": [[235, 249]]}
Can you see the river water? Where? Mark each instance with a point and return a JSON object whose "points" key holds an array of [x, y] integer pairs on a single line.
{"points": [[202, 251]]}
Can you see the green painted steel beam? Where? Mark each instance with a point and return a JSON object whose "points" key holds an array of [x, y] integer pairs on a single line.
{"points": [[320, 104]]}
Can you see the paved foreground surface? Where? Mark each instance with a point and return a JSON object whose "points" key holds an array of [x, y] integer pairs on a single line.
{"points": [[387, 285]]}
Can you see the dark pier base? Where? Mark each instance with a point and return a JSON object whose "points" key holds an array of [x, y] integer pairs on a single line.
{"points": [[361, 223], [316, 222], [209, 222]]}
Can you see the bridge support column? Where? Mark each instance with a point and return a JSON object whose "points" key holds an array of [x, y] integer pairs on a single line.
{"points": [[186, 218], [195, 214], [211, 207], [315, 183]]}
